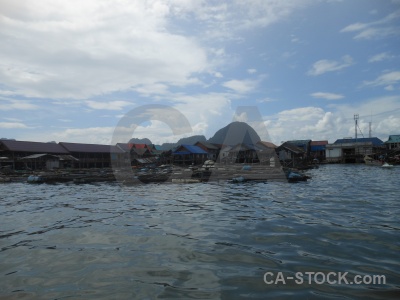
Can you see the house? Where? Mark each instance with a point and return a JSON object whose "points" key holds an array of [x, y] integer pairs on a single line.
{"points": [[318, 149], [211, 149], [393, 142], [93, 155], [189, 155], [224, 153], [349, 150], [305, 145], [12, 151], [267, 145], [290, 155], [48, 161], [246, 153]]}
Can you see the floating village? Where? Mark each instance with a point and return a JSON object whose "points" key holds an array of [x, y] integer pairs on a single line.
{"points": [[240, 157]]}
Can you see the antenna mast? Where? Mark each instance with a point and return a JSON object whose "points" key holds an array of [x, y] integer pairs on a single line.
{"points": [[355, 127], [370, 131]]}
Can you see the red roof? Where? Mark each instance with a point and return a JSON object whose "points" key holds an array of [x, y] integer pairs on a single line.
{"points": [[319, 143]]}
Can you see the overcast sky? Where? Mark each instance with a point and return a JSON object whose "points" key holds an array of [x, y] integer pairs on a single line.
{"points": [[70, 70]]}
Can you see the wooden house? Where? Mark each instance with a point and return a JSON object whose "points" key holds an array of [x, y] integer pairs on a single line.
{"points": [[93, 155], [11, 152], [211, 149], [290, 155], [189, 155]]}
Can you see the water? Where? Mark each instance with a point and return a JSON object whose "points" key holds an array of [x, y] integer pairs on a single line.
{"points": [[202, 241]]}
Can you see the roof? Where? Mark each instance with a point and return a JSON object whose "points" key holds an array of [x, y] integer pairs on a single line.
{"points": [[192, 149], [319, 143], [393, 139], [140, 151], [91, 148], [267, 144], [374, 140], [291, 148], [208, 145], [124, 146], [60, 157], [36, 147], [299, 142], [246, 147]]}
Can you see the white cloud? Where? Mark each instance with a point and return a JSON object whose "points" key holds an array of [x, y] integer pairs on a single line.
{"points": [[11, 125], [377, 29], [241, 86], [98, 48], [7, 104], [387, 79], [318, 124], [251, 71], [380, 57], [79, 49], [111, 105], [327, 96], [323, 66]]}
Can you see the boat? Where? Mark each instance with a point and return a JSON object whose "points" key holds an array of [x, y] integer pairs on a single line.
{"points": [[386, 165]]}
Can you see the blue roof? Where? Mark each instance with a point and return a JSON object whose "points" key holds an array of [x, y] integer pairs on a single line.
{"points": [[318, 148], [375, 141], [192, 149]]}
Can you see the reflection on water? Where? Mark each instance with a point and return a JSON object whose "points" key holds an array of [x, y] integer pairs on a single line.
{"points": [[203, 241]]}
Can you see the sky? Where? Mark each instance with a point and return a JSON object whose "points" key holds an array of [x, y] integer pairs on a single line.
{"points": [[70, 71]]}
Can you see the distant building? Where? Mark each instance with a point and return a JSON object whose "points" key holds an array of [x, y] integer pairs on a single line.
{"points": [[12, 151], [211, 149], [189, 155], [393, 142], [305, 145], [318, 149], [92, 155], [351, 150], [290, 155]]}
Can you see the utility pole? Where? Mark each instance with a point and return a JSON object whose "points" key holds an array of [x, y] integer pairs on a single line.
{"points": [[355, 127], [370, 131], [355, 133]]}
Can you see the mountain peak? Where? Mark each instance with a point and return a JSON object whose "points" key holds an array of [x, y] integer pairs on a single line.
{"points": [[235, 133]]}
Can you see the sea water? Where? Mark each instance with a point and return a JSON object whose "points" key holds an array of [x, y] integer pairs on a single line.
{"points": [[271, 240]]}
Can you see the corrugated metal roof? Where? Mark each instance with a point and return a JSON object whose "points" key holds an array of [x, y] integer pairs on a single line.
{"points": [[318, 148], [267, 144], [290, 147], [319, 143], [90, 148], [393, 139], [193, 149], [36, 147], [375, 141], [208, 145], [126, 147]]}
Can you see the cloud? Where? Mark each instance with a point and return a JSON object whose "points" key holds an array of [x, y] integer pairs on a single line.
{"points": [[111, 105], [251, 71], [327, 96], [241, 86], [11, 125], [380, 57], [377, 29], [323, 66], [387, 79], [55, 50], [336, 122], [8, 104], [65, 50]]}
